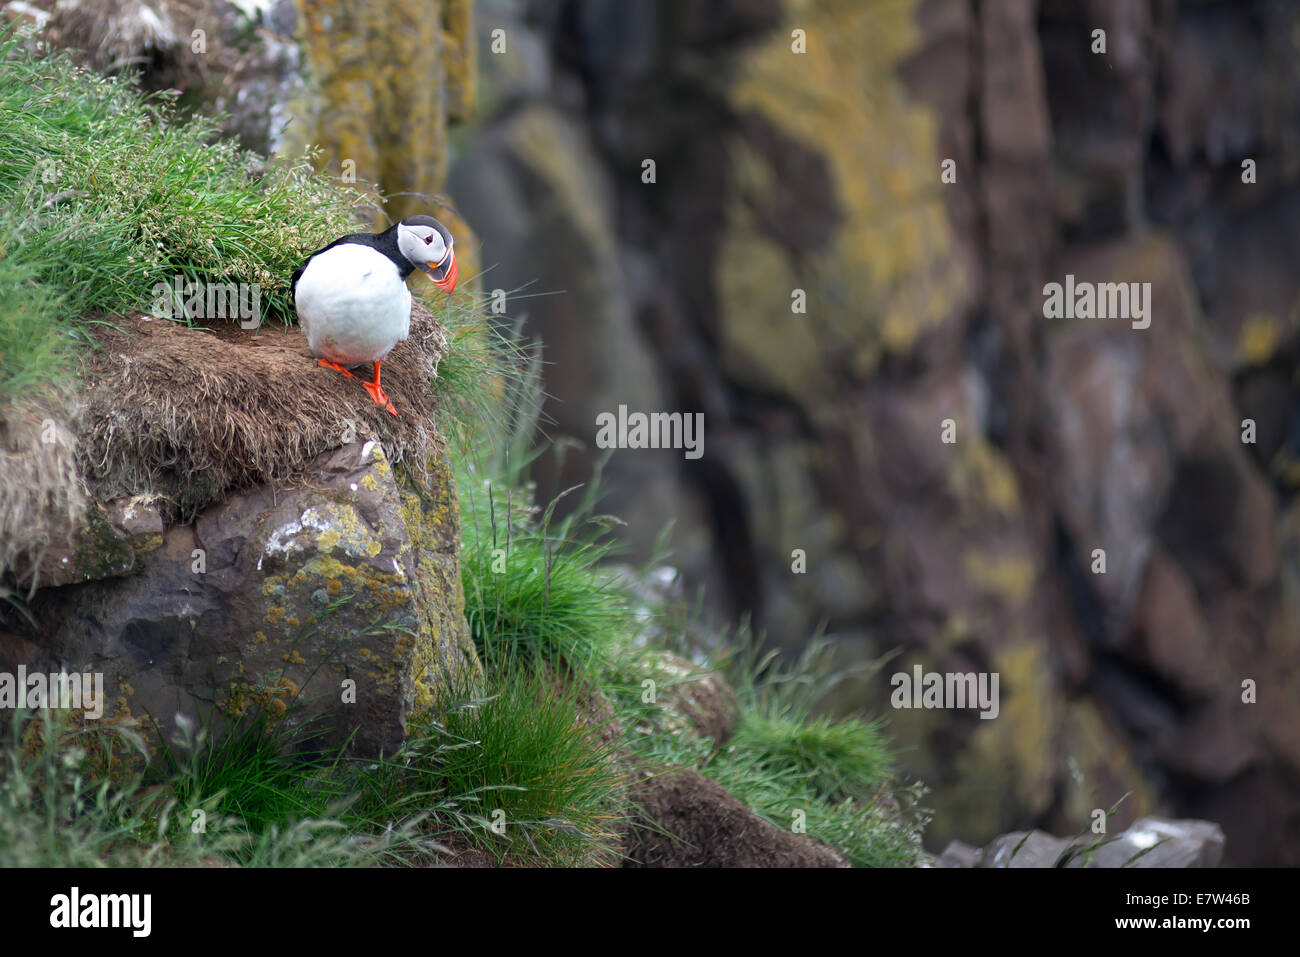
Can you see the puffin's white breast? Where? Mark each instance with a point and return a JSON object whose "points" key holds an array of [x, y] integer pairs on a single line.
{"points": [[352, 304]]}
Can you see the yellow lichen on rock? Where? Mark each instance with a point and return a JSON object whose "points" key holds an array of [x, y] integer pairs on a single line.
{"points": [[459, 58], [441, 647], [1260, 336], [1012, 756], [378, 94], [384, 81], [888, 261], [981, 479], [1009, 577], [1105, 766]]}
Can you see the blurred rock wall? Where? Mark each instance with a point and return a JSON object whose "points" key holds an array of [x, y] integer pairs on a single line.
{"points": [[777, 171]]}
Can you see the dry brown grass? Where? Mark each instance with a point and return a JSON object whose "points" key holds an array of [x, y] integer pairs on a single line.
{"points": [[41, 494], [190, 415]]}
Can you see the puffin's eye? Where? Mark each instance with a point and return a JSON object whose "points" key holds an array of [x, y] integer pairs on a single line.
{"points": [[428, 239]]}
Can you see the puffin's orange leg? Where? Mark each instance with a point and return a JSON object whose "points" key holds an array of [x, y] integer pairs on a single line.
{"points": [[377, 392], [334, 365]]}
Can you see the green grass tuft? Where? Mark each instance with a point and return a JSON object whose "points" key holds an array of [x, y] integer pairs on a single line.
{"points": [[837, 759], [63, 805], [534, 589], [257, 772], [534, 584], [517, 768], [484, 380]]}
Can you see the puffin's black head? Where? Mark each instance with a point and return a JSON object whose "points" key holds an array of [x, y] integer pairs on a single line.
{"points": [[427, 243]]}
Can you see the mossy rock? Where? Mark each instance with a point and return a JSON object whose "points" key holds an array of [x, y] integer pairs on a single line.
{"points": [[337, 603]]}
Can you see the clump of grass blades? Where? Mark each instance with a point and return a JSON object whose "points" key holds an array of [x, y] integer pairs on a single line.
{"points": [[32, 355], [232, 800], [54, 809], [534, 583], [61, 807], [839, 759], [292, 802], [484, 378], [513, 767], [868, 832], [842, 770], [254, 770], [531, 589]]}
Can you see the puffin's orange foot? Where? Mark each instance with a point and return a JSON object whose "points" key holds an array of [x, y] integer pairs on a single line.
{"points": [[380, 396], [334, 365]]}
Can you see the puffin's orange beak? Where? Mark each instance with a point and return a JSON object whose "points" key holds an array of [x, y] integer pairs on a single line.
{"points": [[448, 282]]}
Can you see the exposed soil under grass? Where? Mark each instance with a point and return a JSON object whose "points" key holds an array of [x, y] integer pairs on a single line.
{"points": [[708, 827]]}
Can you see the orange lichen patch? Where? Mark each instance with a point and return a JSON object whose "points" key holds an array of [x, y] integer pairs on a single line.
{"points": [[105, 743], [274, 614], [241, 696]]}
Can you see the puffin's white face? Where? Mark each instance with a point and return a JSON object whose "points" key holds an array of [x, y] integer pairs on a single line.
{"points": [[422, 245], [426, 243]]}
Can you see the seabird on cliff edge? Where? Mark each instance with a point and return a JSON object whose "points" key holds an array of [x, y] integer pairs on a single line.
{"points": [[351, 296]]}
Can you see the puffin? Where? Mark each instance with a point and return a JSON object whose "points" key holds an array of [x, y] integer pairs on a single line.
{"points": [[351, 296]]}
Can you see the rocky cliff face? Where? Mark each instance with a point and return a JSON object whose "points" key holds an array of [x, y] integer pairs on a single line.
{"points": [[777, 172]]}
